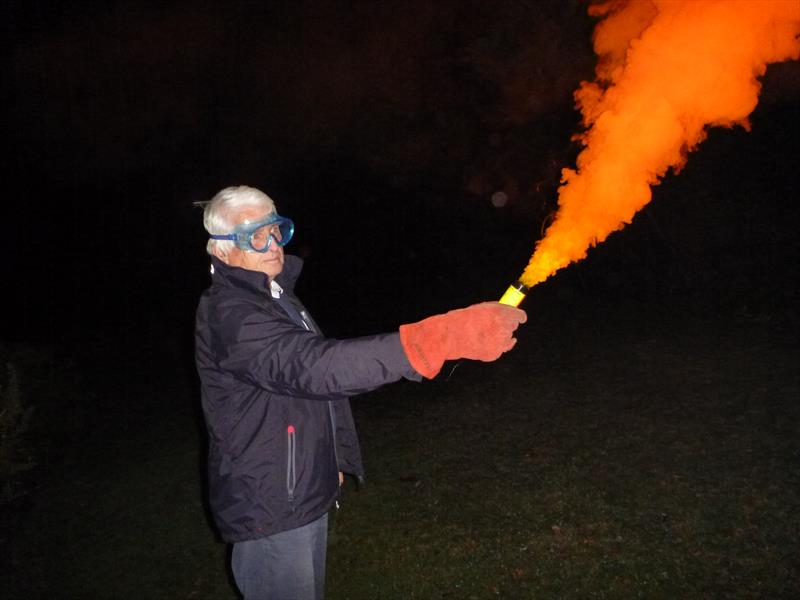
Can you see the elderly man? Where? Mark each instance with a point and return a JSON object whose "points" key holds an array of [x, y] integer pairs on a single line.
{"points": [[275, 394]]}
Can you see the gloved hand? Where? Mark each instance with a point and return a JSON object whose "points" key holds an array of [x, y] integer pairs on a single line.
{"points": [[480, 332]]}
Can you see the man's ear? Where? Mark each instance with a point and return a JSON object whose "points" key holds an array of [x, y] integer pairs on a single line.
{"points": [[223, 256]]}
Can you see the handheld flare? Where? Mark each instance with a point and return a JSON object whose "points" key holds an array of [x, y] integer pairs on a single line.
{"points": [[515, 294]]}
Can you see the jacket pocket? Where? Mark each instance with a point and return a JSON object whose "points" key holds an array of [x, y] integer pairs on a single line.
{"points": [[291, 474]]}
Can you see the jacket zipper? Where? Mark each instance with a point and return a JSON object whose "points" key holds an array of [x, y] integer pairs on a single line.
{"points": [[291, 475], [306, 319], [333, 432]]}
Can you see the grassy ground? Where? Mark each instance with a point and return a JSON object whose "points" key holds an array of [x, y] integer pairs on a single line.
{"points": [[656, 464], [609, 456]]}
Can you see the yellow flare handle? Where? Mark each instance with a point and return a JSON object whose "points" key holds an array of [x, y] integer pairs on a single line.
{"points": [[514, 294]]}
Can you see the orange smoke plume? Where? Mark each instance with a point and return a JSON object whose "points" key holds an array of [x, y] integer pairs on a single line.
{"points": [[667, 71]]}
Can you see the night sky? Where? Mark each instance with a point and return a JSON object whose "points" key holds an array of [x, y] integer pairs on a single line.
{"points": [[383, 129]]}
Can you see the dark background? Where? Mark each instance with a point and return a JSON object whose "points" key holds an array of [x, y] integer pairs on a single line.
{"points": [[382, 129], [650, 406]]}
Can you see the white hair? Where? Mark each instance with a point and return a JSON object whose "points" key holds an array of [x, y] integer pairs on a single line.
{"points": [[220, 213]]}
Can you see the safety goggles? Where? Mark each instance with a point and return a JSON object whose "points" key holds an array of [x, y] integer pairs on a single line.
{"points": [[258, 236]]}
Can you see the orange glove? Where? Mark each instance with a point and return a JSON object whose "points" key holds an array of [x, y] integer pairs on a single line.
{"points": [[480, 332]]}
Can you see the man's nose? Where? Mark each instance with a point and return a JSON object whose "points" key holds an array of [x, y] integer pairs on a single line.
{"points": [[274, 246]]}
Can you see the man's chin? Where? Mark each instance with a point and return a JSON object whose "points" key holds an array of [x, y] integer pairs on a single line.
{"points": [[272, 268]]}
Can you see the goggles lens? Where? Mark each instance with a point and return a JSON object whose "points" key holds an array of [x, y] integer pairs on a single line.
{"points": [[258, 237], [261, 238]]}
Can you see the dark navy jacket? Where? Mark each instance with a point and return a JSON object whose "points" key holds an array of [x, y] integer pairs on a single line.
{"points": [[275, 399]]}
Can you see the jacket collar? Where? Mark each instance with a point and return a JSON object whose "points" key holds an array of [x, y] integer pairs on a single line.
{"points": [[256, 281]]}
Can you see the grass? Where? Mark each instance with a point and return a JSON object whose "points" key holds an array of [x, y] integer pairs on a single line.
{"points": [[642, 467], [646, 456]]}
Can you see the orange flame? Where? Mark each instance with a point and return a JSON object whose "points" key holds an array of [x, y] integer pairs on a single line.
{"points": [[668, 70]]}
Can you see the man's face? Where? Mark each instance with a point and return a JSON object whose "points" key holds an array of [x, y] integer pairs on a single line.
{"points": [[270, 262]]}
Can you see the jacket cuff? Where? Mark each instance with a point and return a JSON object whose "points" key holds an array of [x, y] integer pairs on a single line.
{"points": [[408, 371]]}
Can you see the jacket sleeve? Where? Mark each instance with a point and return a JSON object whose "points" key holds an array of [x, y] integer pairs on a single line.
{"points": [[269, 350]]}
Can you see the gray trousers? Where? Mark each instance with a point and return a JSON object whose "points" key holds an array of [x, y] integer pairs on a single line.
{"points": [[285, 566]]}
